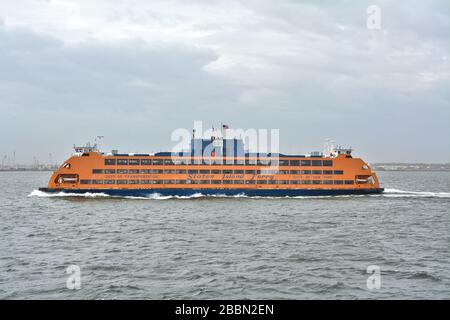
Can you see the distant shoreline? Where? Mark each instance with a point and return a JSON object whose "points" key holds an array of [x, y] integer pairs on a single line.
{"points": [[26, 170], [427, 167]]}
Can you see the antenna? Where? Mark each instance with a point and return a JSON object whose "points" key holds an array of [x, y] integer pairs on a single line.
{"points": [[97, 141]]}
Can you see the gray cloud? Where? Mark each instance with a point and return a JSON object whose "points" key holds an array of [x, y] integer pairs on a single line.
{"points": [[312, 70]]}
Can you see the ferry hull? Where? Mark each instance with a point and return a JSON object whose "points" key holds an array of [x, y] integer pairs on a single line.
{"points": [[218, 192]]}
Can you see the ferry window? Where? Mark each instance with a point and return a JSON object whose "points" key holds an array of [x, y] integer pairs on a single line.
{"points": [[205, 171], [110, 171], [146, 162], [216, 171], [180, 171], [294, 182], [192, 171], [134, 162], [295, 162], [168, 162], [216, 181], [327, 171], [196, 161], [177, 161], [122, 171], [306, 171], [157, 162], [85, 181], [284, 163], [144, 171], [262, 162], [97, 171], [169, 171], [133, 181], [306, 181], [110, 162], [317, 182], [238, 171], [327, 163], [145, 181], [180, 181], [204, 182], [316, 163], [317, 172], [348, 181], [250, 171], [110, 182], [274, 162], [122, 162], [250, 162], [227, 171], [122, 181], [262, 182], [328, 182], [66, 166], [295, 171], [133, 171], [250, 181], [97, 181], [239, 162], [338, 172], [227, 181], [306, 163], [239, 182], [338, 182], [284, 171]]}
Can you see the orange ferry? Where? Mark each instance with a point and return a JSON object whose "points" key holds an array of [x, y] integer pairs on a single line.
{"points": [[222, 173]]}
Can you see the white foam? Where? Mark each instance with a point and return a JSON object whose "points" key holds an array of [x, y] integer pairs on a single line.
{"points": [[396, 193], [391, 193], [41, 194]]}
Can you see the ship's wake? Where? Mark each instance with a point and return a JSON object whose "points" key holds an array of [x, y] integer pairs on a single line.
{"points": [[389, 193], [42, 194], [396, 193]]}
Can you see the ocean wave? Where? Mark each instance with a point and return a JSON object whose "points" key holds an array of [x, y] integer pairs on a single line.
{"points": [[151, 196], [396, 193], [42, 194], [158, 196], [390, 193]]}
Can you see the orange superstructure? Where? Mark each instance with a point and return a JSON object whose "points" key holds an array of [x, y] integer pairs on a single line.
{"points": [[89, 170]]}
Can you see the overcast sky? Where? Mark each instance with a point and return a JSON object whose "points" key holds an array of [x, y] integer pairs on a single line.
{"points": [[135, 70]]}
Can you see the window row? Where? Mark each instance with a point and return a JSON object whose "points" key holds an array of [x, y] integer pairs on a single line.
{"points": [[273, 162], [329, 182], [195, 171]]}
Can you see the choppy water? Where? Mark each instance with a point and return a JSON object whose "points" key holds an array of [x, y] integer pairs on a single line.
{"points": [[227, 248]]}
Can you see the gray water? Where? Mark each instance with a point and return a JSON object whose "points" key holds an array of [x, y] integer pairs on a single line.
{"points": [[227, 248]]}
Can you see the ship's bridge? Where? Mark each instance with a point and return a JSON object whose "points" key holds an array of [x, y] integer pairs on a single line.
{"points": [[86, 149]]}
